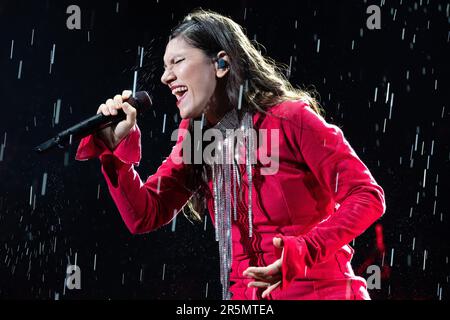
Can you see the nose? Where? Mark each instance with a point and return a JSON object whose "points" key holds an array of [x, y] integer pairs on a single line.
{"points": [[167, 77]]}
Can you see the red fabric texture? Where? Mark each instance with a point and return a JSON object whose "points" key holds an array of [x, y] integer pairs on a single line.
{"points": [[320, 199]]}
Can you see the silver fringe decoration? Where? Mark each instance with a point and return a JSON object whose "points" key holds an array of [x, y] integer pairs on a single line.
{"points": [[235, 181], [225, 177], [248, 127]]}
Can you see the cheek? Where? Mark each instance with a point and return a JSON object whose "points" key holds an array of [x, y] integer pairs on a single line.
{"points": [[201, 79], [205, 84]]}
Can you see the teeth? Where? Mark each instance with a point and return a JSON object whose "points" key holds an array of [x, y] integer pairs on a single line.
{"points": [[179, 89]]}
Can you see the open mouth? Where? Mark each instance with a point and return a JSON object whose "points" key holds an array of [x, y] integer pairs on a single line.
{"points": [[180, 92]]}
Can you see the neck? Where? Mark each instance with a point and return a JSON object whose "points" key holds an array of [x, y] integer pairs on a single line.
{"points": [[218, 106], [214, 117], [215, 112]]}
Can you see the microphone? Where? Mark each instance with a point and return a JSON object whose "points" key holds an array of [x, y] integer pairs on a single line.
{"points": [[141, 101]]}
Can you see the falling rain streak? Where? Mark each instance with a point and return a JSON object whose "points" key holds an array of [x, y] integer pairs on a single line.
{"points": [[164, 124], [56, 111], [392, 257], [142, 57], [44, 184], [135, 82], [424, 259], [2, 148], [31, 194], [337, 182], [32, 37], [387, 92], [19, 72], [52, 58], [174, 223]]}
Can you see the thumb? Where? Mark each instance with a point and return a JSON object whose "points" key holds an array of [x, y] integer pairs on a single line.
{"points": [[130, 111], [277, 242]]}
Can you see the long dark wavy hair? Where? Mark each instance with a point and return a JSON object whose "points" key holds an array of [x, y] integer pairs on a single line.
{"points": [[264, 80]]}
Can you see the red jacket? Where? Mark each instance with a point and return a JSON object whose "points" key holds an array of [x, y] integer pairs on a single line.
{"points": [[321, 198]]}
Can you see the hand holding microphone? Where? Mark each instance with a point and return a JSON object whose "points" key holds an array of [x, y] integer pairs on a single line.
{"points": [[112, 135], [112, 123]]}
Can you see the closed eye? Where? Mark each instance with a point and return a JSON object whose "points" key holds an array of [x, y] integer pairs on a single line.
{"points": [[172, 62]]}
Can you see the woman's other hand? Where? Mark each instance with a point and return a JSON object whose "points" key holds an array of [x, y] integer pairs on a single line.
{"points": [[268, 277]]}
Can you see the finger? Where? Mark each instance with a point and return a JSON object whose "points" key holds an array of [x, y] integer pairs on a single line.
{"points": [[118, 101], [126, 94], [103, 109], [270, 270], [270, 289], [130, 111], [256, 273], [265, 277], [110, 105], [255, 270], [259, 284], [270, 279]]}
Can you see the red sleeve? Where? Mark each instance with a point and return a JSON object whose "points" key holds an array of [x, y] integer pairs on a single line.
{"points": [[339, 170], [143, 206], [128, 150]]}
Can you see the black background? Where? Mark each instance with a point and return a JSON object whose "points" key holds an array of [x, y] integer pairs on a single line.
{"points": [[98, 61]]}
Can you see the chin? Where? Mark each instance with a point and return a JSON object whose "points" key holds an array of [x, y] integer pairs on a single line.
{"points": [[184, 116], [187, 113]]}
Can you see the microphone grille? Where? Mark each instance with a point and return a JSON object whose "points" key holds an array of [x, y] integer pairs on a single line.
{"points": [[141, 101]]}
